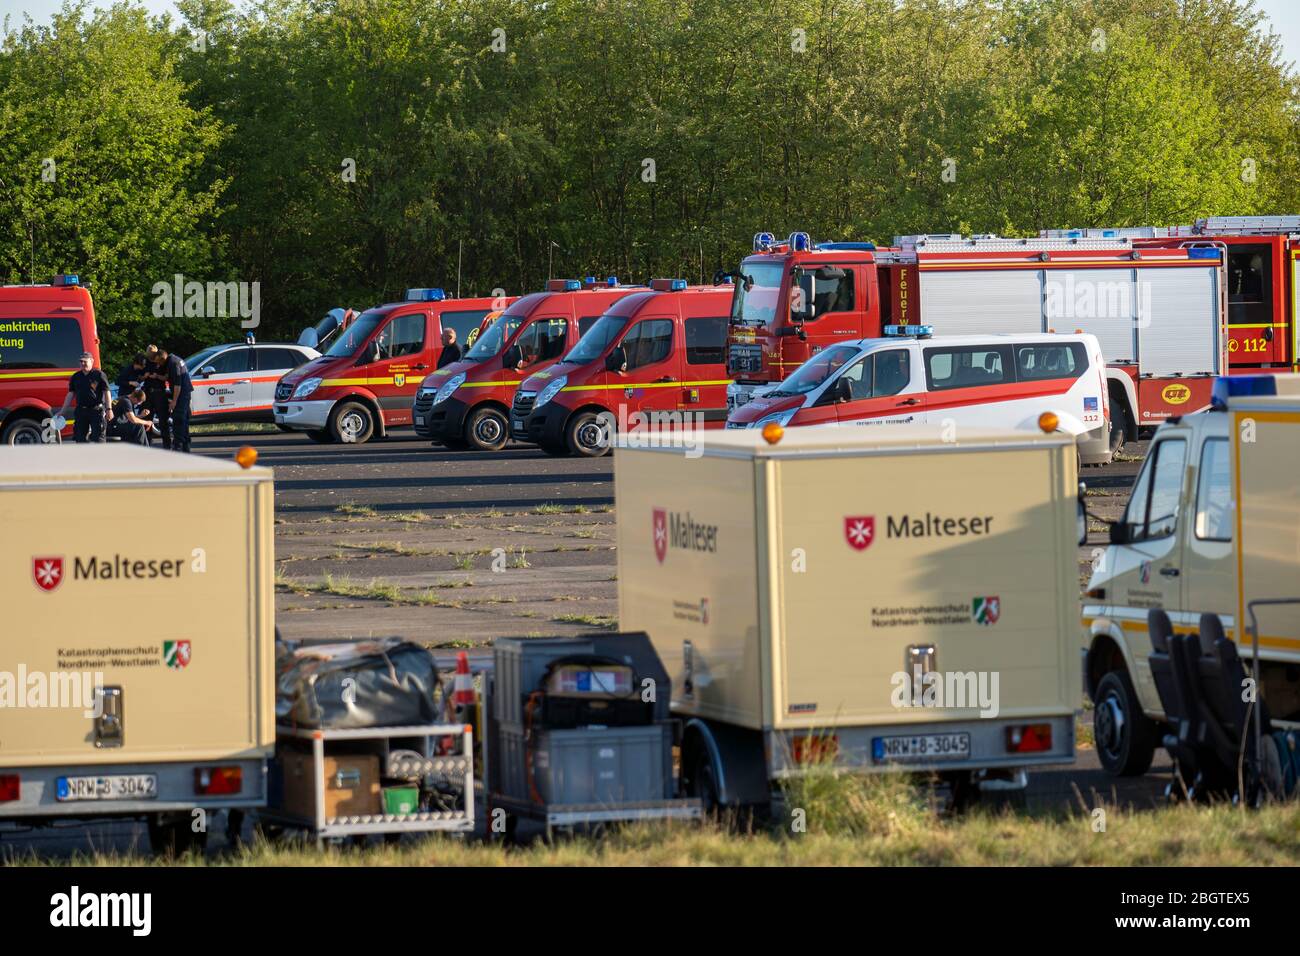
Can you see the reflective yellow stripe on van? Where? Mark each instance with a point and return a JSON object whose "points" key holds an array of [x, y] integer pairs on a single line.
{"points": [[358, 381], [1140, 627], [627, 385], [64, 374], [489, 384]]}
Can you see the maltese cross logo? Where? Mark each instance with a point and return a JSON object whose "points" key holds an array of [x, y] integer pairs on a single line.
{"points": [[661, 534], [860, 531], [47, 573]]}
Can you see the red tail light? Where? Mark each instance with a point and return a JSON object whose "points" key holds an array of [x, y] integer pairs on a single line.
{"points": [[1030, 738], [8, 787], [815, 748], [212, 781]]}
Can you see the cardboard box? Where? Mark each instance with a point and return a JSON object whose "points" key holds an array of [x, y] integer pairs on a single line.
{"points": [[351, 785]]}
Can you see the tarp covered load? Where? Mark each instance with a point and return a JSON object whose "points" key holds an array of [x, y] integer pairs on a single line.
{"points": [[381, 683]]}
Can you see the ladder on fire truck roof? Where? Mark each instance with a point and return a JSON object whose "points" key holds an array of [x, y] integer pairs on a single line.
{"points": [[1210, 226], [954, 242]]}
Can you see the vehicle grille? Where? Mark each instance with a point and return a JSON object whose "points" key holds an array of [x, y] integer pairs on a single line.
{"points": [[523, 404], [283, 392]]}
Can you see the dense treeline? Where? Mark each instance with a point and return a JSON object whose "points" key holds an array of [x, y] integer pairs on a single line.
{"points": [[338, 151]]}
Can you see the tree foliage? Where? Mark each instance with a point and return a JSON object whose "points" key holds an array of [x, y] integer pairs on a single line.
{"points": [[340, 151]]}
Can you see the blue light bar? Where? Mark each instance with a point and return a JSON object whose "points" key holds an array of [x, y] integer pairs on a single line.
{"points": [[764, 241], [591, 280], [425, 295], [61, 280], [799, 242], [612, 282], [920, 331], [1202, 252], [1241, 386], [678, 285], [849, 246]]}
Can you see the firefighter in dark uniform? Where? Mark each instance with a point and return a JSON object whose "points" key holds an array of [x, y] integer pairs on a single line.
{"points": [[178, 377], [88, 389], [155, 390], [132, 376]]}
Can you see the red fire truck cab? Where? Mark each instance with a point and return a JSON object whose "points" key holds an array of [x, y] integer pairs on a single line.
{"points": [[366, 381], [655, 356], [1158, 312], [43, 331], [467, 404]]}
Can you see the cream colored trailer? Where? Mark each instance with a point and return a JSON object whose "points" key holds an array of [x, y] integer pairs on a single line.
{"points": [[806, 596], [137, 633]]}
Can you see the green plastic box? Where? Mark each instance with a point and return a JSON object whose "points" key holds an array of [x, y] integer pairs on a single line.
{"points": [[399, 801]]}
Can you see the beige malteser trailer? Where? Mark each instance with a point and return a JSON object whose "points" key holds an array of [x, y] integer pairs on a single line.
{"points": [[137, 640], [894, 599]]}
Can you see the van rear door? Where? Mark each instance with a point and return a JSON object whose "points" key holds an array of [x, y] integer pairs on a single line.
{"points": [[904, 570]]}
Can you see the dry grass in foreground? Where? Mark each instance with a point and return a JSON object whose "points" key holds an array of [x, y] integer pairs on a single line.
{"points": [[852, 821]]}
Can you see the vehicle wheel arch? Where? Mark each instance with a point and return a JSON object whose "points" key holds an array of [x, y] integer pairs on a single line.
{"points": [[1106, 653], [35, 412], [372, 403], [1123, 392], [741, 779]]}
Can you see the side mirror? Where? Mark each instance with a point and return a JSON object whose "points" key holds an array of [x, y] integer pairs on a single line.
{"points": [[512, 357], [616, 360], [801, 299], [203, 372], [1082, 523], [1121, 532], [843, 390]]}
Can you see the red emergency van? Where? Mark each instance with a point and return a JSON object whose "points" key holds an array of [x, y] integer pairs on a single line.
{"points": [[652, 354], [467, 404], [366, 381], [43, 331]]}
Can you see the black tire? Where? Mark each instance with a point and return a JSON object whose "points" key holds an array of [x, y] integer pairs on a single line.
{"points": [[587, 436], [322, 436], [1118, 427], [486, 429], [352, 423], [1125, 737], [21, 431], [174, 836], [704, 783]]}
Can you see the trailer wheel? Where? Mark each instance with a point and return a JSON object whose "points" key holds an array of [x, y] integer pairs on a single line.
{"points": [[589, 435], [319, 435], [1118, 427], [704, 783], [1126, 738], [171, 835], [487, 429], [352, 423]]}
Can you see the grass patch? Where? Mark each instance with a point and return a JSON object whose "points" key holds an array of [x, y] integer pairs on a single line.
{"points": [[592, 620], [234, 428], [883, 829], [551, 508], [364, 511], [465, 562]]}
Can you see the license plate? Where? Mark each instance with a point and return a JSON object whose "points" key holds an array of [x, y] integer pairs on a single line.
{"points": [[419, 419], [920, 748], [128, 786], [517, 426]]}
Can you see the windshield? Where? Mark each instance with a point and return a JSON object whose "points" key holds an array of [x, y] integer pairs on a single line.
{"points": [[351, 338], [816, 371], [490, 342], [201, 356], [589, 347], [757, 289]]}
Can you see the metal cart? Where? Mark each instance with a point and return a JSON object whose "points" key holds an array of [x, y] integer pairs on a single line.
{"points": [[455, 768]]}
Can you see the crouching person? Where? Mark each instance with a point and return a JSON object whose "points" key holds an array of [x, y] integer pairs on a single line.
{"points": [[127, 423]]}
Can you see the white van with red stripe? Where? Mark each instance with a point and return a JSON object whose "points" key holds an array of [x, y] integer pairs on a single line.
{"points": [[912, 377], [236, 383]]}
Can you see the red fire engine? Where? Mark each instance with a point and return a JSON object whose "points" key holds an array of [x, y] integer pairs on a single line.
{"points": [[1157, 310], [1263, 265]]}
